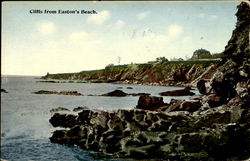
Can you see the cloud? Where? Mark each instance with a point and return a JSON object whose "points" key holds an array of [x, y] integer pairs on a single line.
{"points": [[99, 18], [78, 36], [143, 15], [207, 16], [174, 30], [201, 15], [119, 24], [213, 17], [187, 39], [46, 27]]}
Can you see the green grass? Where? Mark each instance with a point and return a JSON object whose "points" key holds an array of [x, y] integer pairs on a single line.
{"points": [[191, 62], [116, 67]]}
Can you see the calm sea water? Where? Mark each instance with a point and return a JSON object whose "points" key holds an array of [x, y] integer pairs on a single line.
{"points": [[25, 127]]}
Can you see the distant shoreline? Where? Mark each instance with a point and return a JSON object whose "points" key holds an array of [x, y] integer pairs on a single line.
{"points": [[166, 73]]}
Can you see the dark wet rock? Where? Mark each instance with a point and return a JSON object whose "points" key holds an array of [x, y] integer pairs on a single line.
{"points": [[3, 134], [181, 92], [98, 81], [139, 94], [214, 100], [231, 136], [74, 93], [63, 120], [202, 87], [119, 93], [245, 117], [59, 137], [3, 90], [49, 81], [99, 119], [126, 133], [211, 117], [59, 109], [84, 116], [243, 89], [80, 109], [190, 105], [224, 80], [182, 105], [149, 103], [180, 75]]}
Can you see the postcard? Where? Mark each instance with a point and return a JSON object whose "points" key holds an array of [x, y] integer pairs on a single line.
{"points": [[125, 80]]}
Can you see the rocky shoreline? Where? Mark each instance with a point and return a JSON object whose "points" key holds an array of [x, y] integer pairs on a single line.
{"points": [[120, 93], [211, 134], [74, 93], [213, 126]]}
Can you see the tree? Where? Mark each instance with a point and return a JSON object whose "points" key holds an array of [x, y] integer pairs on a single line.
{"points": [[201, 54], [161, 59], [109, 66]]}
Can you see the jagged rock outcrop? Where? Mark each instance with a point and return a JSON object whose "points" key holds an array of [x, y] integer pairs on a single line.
{"points": [[214, 126], [181, 92], [3, 90], [179, 135]]}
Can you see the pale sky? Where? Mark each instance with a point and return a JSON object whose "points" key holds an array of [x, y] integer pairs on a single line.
{"points": [[138, 32]]}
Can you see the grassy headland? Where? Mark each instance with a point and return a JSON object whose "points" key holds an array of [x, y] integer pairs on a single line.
{"points": [[163, 73]]}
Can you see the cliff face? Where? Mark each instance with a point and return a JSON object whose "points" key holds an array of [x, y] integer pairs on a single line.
{"points": [[238, 46], [232, 76], [170, 73]]}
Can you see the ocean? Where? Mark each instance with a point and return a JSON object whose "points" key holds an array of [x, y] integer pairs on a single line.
{"points": [[25, 127]]}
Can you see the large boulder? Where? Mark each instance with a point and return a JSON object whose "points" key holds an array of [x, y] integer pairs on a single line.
{"points": [[117, 93], [201, 86], [66, 120], [149, 103]]}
